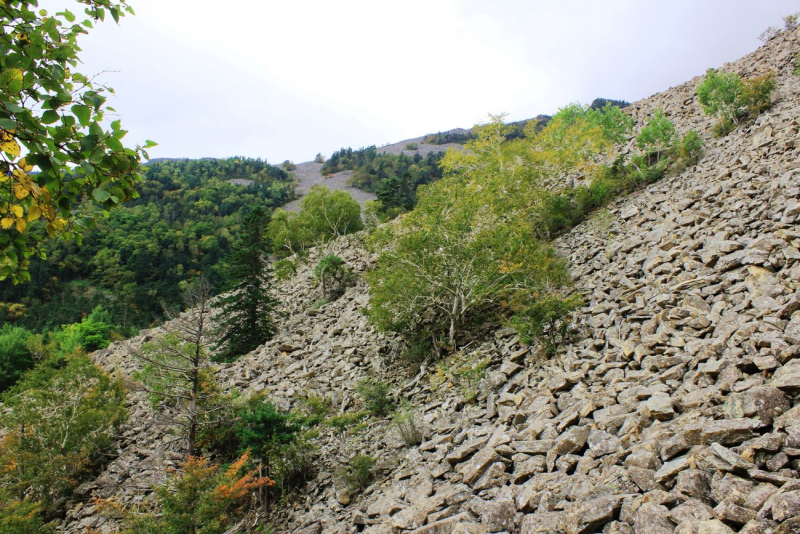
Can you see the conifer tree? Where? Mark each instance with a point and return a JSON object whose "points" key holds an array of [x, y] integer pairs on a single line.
{"points": [[248, 308]]}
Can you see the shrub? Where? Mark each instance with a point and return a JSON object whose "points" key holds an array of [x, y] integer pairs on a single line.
{"points": [[730, 98], [797, 64], [690, 148], [406, 424], [324, 215], [757, 93], [546, 321], [790, 21], [359, 473], [374, 392], [20, 516], [615, 123], [288, 165], [319, 158], [203, 498], [465, 374], [344, 421], [60, 421], [412, 146], [284, 269], [334, 276], [720, 94], [275, 438], [316, 408], [263, 429], [657, 136], [769, 34], [16, 356]]}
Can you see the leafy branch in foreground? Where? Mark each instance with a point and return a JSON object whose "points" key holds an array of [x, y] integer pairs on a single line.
{"points": [[52, 118]]}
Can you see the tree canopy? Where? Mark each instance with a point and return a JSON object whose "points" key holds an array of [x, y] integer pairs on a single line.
{"points": [[324, 215], [137, 259]]}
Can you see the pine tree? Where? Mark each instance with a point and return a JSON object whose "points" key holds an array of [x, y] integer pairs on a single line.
{"points": [[248, 308]]}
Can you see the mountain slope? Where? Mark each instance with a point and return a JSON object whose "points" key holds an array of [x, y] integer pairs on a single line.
{"points": [[672, 411]]}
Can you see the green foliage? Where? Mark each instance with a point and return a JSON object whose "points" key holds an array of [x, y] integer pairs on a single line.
{"points": [[720, 94], [465, 374], [657, 135], [324, 215], [284, 269], [248, 308], [202, 498], [317, 408], [59, 422], [470, 246], [691, 147], [730, 98], [319, 158], [757, 93], [92, 333], [375, 396], [264, 429], [344, 421], [16, 355], [412, 146], [334, 276], [797, 64], [54, 118], [547, 321], [615, 123], [347, 159], [134, 262], [20, 516], [359, 473], [443, 138], [275, 438], [405, 422]]}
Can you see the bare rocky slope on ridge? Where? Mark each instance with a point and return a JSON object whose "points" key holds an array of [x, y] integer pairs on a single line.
{"points": [[676, 409], [308, 174]]}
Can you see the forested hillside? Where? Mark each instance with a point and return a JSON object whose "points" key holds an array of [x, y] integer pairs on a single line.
{"points": [[135, 260]]}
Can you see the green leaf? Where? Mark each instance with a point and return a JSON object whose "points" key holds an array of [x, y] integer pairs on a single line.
{"points": [[84, 113], [11, 81], [50, 116], [8, 124], [88, 143], [69, 16], [101, 195], [114, 14], [114, 144]]}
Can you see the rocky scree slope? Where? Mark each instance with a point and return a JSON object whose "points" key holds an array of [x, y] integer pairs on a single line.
{"points": [[675, 410]]}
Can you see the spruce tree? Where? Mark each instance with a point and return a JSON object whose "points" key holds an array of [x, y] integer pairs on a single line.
{"points": [[248, 308]]}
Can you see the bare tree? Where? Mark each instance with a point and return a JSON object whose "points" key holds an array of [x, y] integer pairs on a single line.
{"points": [[177, 370]]}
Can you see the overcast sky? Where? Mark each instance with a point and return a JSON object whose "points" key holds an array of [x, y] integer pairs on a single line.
{"points": [[287, 79]]}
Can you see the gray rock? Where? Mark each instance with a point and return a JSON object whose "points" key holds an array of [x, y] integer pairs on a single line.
{"points": [[589, 516], [653, 519], [786, 505], [765, 403], [713, 526]]}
